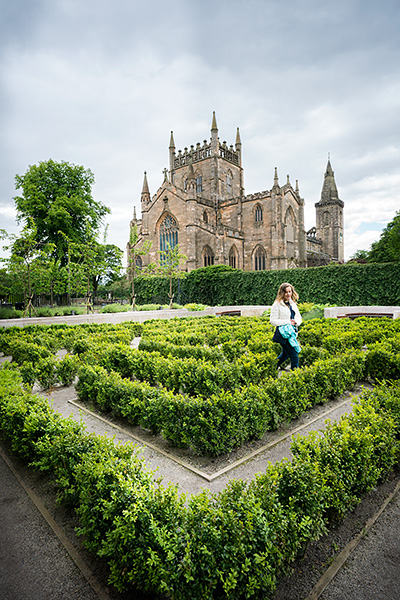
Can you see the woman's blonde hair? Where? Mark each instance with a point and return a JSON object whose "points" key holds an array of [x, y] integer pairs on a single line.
{"points": [[281, 292]]}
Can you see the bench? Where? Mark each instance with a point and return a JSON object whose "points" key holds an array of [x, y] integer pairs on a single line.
{"points": [[375, 315], [229, 313]]}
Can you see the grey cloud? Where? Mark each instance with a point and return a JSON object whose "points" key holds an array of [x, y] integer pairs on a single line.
{"points": [[102, 83]]}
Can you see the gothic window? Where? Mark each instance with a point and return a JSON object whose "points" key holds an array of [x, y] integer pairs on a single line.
{"points": [[260, 259], [138, 262], [205, 216], [168, 233], [199, 183], [258, 214], [326, 219], [229, 184], [233, 257], [290, 233], [208, 256]]}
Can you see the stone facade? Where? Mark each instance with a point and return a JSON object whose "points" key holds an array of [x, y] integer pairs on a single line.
{"points": [[202, 207]]}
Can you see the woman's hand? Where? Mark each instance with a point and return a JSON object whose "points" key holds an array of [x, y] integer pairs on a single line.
{"points": [[293, 322]]}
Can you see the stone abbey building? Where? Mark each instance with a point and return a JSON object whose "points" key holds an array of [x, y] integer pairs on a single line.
{"points": [[202, 207]]}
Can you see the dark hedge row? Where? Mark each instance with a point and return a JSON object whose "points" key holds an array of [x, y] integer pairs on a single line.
{"points": [[351, 284]]}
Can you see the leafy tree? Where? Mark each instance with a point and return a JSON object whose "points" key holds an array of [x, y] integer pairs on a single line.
{"points": [[107, 265], [58, 197], [7, 287], [27, 262], [120, 288], [170, 266], [135, 254], [387, 248], [359, 256], [91, 263]]}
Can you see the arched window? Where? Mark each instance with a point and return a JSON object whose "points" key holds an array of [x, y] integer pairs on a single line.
{"points": [[290, 233], [168, 233], [199, 182], [229, 184], [258, 214], [139, 262], [326, 219], [260, 259], [233, 257], [208, 256]]}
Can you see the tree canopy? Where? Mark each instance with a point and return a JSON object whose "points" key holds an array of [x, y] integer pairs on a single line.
{"points": [[387, 248], [384, 250], [57, 196], [135, 253], [170, 266]]}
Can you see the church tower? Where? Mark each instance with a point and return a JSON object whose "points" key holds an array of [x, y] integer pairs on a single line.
{"points": [[201, 206], [217, 167], [329, 216]]}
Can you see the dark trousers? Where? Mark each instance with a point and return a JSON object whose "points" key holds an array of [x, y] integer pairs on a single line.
{"points": [[288, 352]]}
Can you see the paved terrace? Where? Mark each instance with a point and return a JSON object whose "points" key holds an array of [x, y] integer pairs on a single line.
{"points": [[137, 315], [244, 311], [338, 312]]}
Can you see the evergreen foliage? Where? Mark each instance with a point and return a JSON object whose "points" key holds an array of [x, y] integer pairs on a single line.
{"points": [[58, 197], [387, 248], [351, 284]]}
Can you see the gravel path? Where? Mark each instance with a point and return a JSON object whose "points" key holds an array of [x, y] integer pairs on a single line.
{"points": [[181, 466]]}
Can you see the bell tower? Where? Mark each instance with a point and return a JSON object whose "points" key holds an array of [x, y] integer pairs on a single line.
{"points": [[329, 216]]}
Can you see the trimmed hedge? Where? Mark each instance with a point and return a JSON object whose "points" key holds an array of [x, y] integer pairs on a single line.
{"points": [[351, 284], [187, 375], [215, 397], [234, 544], [225, 420]]}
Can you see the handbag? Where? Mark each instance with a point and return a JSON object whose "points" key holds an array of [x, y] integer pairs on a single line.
{"points": [[277, 337]]}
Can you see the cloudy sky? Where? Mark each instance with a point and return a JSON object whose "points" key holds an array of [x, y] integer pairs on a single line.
{"points": [[101, 83]]}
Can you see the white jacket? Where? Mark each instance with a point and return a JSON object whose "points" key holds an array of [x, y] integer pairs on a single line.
{"points": [[280, 314]]}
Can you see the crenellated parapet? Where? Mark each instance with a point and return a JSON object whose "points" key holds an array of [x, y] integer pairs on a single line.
{"points": [[207, 150], [229, 154], [202, 152], [257, 196], [194, 155]]}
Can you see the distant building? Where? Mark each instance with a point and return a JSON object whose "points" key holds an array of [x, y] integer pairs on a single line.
{"points": [[201, 205]]}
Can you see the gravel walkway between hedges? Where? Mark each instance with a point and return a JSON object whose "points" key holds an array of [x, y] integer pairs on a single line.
{"points": [[181, 466]]}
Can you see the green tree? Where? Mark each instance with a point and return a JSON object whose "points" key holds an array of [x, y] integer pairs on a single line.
{"points": [[6, 285], [135, 253], [360, 256], [107, 265], [170, 266], [28, 262], [387, 248], [120, 288], [91, 263], [58, 197]]}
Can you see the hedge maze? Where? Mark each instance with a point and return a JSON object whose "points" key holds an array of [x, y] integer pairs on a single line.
{"points": [[209, 384]]}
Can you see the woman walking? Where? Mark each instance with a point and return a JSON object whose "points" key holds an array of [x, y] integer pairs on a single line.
{"points": [[285, 316]]}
